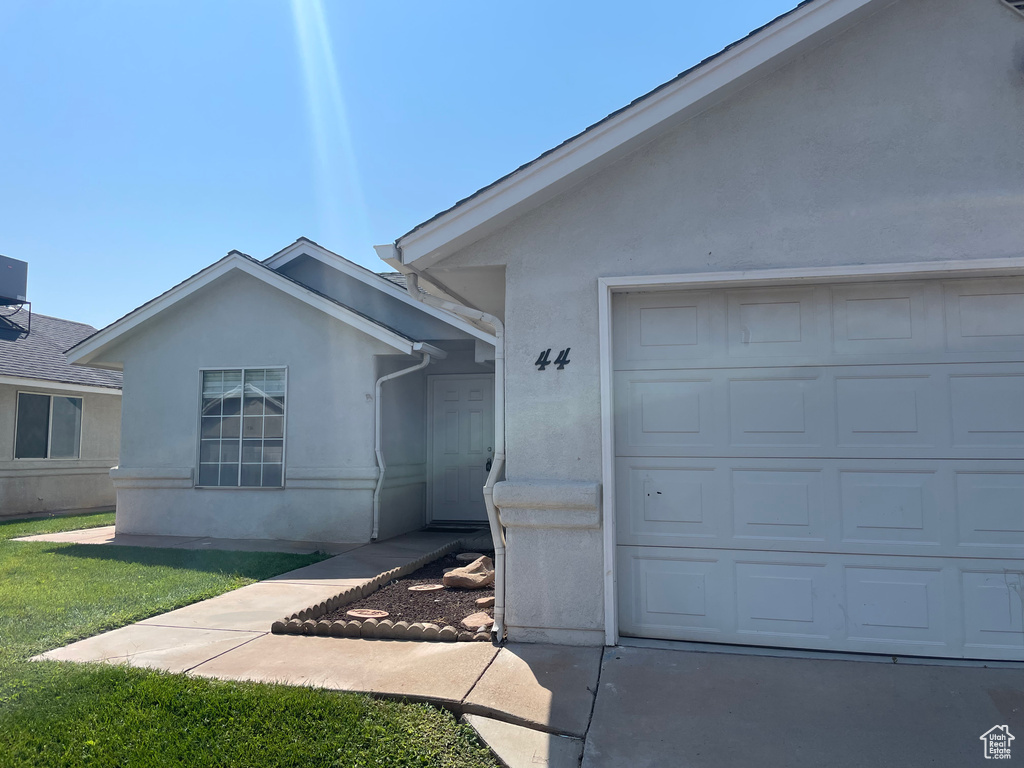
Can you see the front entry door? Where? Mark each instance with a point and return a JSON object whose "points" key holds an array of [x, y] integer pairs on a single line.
{"points": [[461, 446]]}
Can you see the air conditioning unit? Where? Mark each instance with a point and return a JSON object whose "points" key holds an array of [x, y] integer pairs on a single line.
{"points": [[13, 281]]}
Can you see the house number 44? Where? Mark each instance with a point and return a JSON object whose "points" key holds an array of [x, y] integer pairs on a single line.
{"points": [[544, 359]]}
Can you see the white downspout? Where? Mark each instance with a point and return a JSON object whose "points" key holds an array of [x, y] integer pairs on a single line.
{"points": [[377, 437], [493, 515]]}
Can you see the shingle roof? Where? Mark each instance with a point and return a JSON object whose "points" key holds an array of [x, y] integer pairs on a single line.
{"points": [[40, 353], [280, 275]]}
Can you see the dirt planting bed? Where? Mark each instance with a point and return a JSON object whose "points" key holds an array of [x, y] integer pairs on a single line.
{"points": [[446, 607], [412, 615]]}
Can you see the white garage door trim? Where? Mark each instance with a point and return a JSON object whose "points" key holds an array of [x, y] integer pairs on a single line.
{"points": [[628, 283]]}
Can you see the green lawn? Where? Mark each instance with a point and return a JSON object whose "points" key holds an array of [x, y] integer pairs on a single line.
{"points": [[54, 714]]}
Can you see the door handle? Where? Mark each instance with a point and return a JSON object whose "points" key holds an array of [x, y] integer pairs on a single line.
{"points": [[489, 463]]}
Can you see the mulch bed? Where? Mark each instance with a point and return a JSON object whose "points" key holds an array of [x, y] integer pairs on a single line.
{"points": [[443, 607]]}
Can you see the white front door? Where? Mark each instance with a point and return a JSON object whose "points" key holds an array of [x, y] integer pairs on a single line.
{"points": [[461, 445]]}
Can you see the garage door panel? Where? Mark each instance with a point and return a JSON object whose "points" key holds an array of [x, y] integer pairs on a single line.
{"points": [[988, 409], [776, 411], [778, 505], [873, 604], [887, 319], [672, 595], [963, 411], [666, 326], [773, 322], [784, 602], [993, 611], [889, 410], [985, 315], [891, 506], [888, 605], [957, 509], [990, 509]]}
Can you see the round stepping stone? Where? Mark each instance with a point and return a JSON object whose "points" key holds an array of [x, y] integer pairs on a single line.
{"points": [[468, 557], [367, 613], [426, 587]]}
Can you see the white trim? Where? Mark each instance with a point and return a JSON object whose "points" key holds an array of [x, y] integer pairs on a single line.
{"points": [[606, 286], [429, 479], [90, 349], [604, 331], [372, 279], [25, 381], [49, 427], [678, 100]]}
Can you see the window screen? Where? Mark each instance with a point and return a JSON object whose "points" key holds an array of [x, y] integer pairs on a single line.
{"points": [[241, 442]]}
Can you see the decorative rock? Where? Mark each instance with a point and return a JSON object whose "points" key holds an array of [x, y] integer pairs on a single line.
{"points": [[278, 627], [367, 613], [369, 628], [465, 637], [352, 629], [485, 602], [399, 630], [453, 568], [384, 628], [476, 575], [448, 634], [477, 621], [430, 632], [482, 637], [323, 628], [308, 627], [337, 628], [468, 557], [426, 587]]}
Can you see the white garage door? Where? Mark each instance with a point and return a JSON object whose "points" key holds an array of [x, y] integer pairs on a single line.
{"points": [[833, 466]]}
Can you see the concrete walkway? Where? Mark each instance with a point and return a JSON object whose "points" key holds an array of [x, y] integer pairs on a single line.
{"points": [[531, 704], [106, 535], [541, 705]]}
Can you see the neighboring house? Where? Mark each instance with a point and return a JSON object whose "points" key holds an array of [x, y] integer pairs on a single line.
{"points": [[792, 283], [59, 424], [251, 404]]}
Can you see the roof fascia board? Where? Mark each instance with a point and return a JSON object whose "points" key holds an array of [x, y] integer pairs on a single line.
{"points": [[83, 353], [25, 381], [372, 279], [620, 134]]}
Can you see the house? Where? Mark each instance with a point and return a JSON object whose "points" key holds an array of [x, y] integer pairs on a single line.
{"points": [[791, 281], [753, 344], [59, 424], [300, 398]]}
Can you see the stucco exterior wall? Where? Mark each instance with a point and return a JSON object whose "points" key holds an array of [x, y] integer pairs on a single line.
{"points": [[53, 485], [899, 141], [330, 469]]}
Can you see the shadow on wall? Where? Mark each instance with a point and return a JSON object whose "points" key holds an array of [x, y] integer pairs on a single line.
{"points": [[252, 565]]}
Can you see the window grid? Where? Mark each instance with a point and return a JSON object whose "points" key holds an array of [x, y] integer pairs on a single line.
{"points": [[242, 416]]}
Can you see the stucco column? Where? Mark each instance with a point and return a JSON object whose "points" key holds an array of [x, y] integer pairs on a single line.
{"points": [[554, 591]]}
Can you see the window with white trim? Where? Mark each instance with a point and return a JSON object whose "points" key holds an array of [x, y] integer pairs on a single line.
{"points": [[48, 427], [241, 429]]}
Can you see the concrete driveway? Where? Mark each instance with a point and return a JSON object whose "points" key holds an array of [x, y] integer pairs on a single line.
{"points": [[674, 708]]}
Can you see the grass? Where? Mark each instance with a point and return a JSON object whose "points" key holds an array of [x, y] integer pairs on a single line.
{"points": [[55, 714]]}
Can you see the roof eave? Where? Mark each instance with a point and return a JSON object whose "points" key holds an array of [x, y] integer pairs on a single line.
{"points": [[693, 92], [88, 351]]}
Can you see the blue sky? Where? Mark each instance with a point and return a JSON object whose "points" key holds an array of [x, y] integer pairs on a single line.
{"points": [[141, 141]]}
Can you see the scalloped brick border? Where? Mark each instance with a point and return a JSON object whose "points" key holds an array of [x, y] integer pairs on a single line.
{"points": [[308, 621]]}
